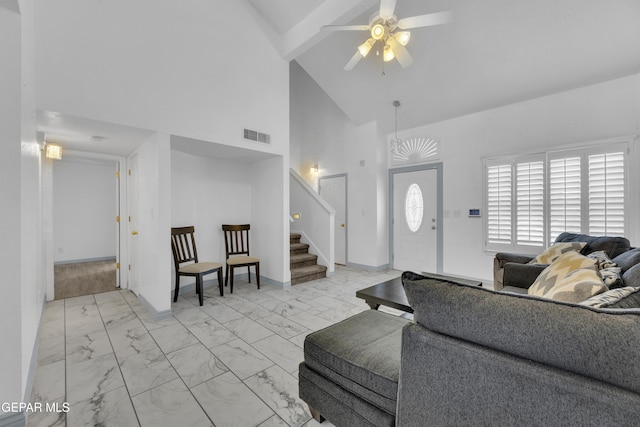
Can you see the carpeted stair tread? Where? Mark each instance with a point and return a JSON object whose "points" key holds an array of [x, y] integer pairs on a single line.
{"points": [[294, 246], [303, 271], [302, 257]]}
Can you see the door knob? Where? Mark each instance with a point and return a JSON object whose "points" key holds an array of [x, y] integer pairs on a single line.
{"points": [[342, 225], [134, 233]]}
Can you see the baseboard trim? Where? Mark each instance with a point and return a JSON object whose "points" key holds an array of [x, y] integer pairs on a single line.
{"points": [[13, 419], [368, 267], [77, 261], [158, 315], [213, 283]]}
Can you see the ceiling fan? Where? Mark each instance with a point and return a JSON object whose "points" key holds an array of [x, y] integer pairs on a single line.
{"points": [[390, 33]]}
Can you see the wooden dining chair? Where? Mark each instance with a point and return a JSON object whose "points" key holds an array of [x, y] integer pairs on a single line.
{"points": [[183, 245], [236, 242]]}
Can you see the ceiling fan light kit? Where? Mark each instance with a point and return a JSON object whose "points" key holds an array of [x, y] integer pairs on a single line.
{"points": [[383, 26], [365, 47]]}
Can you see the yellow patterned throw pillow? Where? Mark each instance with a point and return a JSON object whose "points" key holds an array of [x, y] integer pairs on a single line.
{"points": [[572, 277], [557, 249]]}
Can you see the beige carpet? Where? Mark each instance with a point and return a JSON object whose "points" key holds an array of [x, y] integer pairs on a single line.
{"points": [[84, 278]]}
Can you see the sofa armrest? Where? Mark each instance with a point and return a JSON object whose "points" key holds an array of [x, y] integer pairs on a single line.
{"points": [[499, 262], [505, 257], [521, 275]]}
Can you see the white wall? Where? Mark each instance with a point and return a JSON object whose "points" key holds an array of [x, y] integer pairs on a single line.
{"points": [[31, 226], [270, 218], [11, 305], [84, 209], [154, 211], [322, 134], [591, 113], [367, 211], [208, 192], [200, 69]]}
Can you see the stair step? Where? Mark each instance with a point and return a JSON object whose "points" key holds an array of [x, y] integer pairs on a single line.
{"points": [[306, 274], [294, 237], [302, 260], [298, 248]]}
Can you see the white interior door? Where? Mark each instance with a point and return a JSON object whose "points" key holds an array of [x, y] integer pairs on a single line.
{"points": [[334, 191], [415, 212], [132, 222]]}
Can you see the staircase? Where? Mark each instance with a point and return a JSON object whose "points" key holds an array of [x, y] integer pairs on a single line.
{"points": [[303, 265]]}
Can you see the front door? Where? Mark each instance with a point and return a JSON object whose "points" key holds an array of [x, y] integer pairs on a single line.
{"points": [[415, 221]]}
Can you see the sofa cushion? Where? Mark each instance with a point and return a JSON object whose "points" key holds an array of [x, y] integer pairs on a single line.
{"points": [[599, 343], [361, 354], [571, 278], [554, 251], [627, 297], [613, 246], [631, 277], [628, 259]]}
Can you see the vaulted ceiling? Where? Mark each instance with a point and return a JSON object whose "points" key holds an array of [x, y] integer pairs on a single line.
{"points": [[496, 52]]}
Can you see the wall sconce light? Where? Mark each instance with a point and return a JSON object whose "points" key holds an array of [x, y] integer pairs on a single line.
{"points": [[53, 151], [296, 215], [314, 169]]}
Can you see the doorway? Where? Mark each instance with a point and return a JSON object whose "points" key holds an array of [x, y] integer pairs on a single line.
{"points": [[415, 219], [333, 189], [86, 204]]}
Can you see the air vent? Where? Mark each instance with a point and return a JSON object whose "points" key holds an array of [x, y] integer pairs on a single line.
{"points": [[256, 136]]}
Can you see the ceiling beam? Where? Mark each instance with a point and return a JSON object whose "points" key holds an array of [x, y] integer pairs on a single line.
{"points": [[307, 32]]}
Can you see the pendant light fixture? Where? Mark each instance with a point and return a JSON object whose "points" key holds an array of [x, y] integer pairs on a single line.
{"points": [[395, 143]]}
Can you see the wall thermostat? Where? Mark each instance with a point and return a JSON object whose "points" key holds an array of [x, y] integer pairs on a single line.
{"points": [[474, 213]]}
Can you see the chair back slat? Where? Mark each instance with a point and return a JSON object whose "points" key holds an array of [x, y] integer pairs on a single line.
{"points": [[183, 245], [236, 239]]}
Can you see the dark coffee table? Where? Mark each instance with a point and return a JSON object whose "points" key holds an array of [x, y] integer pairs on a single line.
{"points": [[391, 293]]}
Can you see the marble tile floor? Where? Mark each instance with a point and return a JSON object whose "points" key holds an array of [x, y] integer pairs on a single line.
{"points": [[232, 362]]}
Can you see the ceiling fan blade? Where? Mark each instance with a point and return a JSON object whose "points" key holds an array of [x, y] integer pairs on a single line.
{"points": [[387, 7], [353, 61], [401, 53], [345, 28], [427, 20]]}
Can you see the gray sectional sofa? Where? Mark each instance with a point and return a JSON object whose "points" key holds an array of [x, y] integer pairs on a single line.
{"points": [[473, 356]]}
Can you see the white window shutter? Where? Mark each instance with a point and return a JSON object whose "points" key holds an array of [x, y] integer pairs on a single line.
{"points": [[499, 188], [564, 197], [606, 194], [530, 203]]}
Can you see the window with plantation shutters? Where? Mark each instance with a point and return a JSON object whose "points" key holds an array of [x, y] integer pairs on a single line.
{"points": [[499, 203], [565, 208], [530, 203], [531, 199], [606, 194]]}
